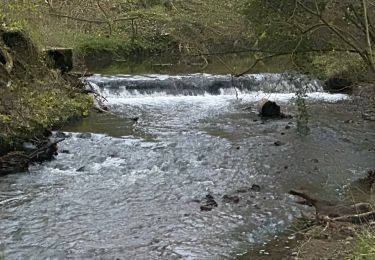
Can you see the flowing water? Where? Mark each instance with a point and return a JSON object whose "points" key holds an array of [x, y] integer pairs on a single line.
{"points": [[133, 190]]}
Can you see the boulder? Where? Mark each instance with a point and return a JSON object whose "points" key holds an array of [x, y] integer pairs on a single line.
{"points": [[209, 203], [267, 108], [231, 199]]}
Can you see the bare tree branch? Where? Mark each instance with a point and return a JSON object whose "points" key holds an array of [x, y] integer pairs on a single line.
{"points": [[78, 18], [371, 60]]}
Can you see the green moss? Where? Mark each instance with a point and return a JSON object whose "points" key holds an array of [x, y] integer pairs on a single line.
{"points": [[364, 248]]}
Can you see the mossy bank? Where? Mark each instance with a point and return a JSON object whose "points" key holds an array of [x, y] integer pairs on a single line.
{"points": [[33, 97]]}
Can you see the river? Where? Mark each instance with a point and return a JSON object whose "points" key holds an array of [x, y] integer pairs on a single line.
{"points": [[132, 186]]}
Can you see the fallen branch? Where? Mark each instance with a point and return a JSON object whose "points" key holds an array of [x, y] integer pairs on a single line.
{"points": [[94, 20], [338, 210], [45, 152], [99, 99], [356, 218]]}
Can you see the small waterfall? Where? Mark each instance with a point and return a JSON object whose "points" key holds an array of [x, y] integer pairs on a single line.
{"points": [[201, 84]]}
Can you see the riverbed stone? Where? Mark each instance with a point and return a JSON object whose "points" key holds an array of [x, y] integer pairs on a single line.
{"points": [[81, 169], [255, 187], [279, 143], [231, 199], [209, 203], [84, 135], [268, 108]]}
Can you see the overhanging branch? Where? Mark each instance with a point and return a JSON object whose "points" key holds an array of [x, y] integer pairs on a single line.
{"points": [[93, 20]]}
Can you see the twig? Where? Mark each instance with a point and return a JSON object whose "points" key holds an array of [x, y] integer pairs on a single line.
{"points": [[37, 152], [232, 73], [356, 218], [309, 239]]}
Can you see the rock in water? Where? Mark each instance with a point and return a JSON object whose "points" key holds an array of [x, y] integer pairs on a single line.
{"points": [[84, 135], [209, 204], [267, 108], [278, 143], [255, 187], [231, 199]]}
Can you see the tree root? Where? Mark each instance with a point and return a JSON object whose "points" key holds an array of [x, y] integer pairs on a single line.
{"points": [[20, 161]]}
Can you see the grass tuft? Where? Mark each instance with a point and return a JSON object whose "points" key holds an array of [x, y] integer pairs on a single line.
{"points": [[364, 248]]}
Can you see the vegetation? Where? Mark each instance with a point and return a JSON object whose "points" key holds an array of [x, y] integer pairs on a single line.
{"points": [[133, 25], [32, 97], [321, 36], [364, 247]]}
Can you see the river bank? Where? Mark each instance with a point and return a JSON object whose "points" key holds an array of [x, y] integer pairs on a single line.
{"points": [[311, 241], [34, 99]]}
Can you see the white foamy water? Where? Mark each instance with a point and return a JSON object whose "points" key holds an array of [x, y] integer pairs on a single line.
{"points": [[154, 88], [126, 98]]}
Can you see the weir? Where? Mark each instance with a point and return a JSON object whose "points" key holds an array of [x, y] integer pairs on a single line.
{"points": [[200, 84]]}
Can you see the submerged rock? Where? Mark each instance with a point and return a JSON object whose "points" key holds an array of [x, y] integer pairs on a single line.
{"points": [[81, 169], [209, 203], [134, 119], [231, 199], [84, 135], [255, 187], [368, 117], [61, 135], [279, 143]]}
